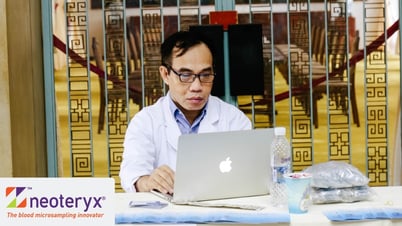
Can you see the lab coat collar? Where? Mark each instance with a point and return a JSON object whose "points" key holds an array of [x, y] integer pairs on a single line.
{"points": [[172, 129], [208, 124], [211, 118]]}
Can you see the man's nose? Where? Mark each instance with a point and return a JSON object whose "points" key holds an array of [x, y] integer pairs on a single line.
{"points": [[196, 84]]}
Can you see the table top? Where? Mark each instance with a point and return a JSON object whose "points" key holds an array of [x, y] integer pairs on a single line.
{"points": [[384, 198]]}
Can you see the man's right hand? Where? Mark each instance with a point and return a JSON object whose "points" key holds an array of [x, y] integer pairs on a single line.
{"points": [[161, 179]]}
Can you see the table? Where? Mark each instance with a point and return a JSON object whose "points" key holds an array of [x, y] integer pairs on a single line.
{"points": [[386, 197]]}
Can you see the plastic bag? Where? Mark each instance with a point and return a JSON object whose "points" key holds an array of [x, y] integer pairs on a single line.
{"points": [[334, 195], [336, 174]]}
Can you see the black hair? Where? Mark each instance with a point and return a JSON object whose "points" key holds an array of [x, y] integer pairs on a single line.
{"points": [[184, 40]]}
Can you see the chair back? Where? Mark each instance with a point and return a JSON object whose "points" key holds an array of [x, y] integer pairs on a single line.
{"points": [[99, 63], [97, 53], [354, 49], [134, 47]]}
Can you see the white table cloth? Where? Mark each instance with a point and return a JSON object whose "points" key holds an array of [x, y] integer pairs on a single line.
{"points": [[385, 198]]}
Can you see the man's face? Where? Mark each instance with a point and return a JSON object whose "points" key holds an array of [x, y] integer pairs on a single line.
{"points": [[189, 97]]}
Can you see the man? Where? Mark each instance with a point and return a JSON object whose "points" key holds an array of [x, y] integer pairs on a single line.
{"points": [[150, 145]]}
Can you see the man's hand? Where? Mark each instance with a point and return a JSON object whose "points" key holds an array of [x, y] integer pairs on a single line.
{"points": [[161, 179]]}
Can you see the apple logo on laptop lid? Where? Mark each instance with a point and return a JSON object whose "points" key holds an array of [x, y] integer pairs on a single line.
{"points": [[226, 165]]}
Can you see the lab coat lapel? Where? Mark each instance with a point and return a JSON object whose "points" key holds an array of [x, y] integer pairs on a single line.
{"points": [[211, 119], [172, 129]]}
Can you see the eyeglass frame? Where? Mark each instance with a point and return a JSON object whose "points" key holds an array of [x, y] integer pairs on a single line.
{"points": [[194, 76]]}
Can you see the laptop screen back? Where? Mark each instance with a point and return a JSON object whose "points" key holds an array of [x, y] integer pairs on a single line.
{"points": [[223, 165]]}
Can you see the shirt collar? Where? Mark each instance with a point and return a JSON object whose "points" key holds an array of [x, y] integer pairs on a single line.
{"points": [[179, 117]]}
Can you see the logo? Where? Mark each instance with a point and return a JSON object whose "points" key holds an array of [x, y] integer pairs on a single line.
{"points": [[57, 201], [225, 165], [16, 196]]}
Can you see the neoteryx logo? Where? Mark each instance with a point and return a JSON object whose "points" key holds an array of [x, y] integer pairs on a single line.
{"points": [[16, 197]]}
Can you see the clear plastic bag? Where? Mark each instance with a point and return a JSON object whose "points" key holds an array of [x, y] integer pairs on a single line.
{"points": [[337, 181], [334, 195], [336, 174]]}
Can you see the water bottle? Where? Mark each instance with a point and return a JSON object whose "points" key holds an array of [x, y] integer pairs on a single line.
{"points": [[281, 161]]}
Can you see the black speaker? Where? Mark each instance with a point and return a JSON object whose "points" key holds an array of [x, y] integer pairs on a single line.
{"points": [[246, 63], [215, 34]]}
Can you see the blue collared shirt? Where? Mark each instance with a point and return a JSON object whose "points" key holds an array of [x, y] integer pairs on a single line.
{"points": [[182, 122]]}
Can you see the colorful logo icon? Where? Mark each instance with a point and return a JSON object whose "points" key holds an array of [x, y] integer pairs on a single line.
{"points": [[16, 197]]}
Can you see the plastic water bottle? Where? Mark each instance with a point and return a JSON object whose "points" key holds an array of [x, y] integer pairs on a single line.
{"points": [[281, 161]]}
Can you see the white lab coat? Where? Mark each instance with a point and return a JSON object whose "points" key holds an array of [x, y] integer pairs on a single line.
{"points": [[152, 136]]}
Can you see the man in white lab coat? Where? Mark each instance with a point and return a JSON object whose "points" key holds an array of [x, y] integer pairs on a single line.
{"points": [[150, 145]]}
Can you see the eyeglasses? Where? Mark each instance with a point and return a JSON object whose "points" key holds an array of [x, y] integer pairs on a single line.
{"points": [[187, 77]]}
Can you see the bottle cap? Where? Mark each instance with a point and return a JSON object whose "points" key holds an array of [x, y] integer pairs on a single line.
{"points": [[280, 131]]}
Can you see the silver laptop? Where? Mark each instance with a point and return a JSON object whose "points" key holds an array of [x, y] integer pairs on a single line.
{"points": [[221, 165]]}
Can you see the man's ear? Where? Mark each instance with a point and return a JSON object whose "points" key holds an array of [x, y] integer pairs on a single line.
{"points": [[163, 71]]}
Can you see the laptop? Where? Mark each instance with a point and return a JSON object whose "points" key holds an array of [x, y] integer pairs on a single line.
{"points": [[222, 165]]}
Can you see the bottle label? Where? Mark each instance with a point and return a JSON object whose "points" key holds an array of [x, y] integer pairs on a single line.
{"points": [[278, 172], [286, 160]]}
